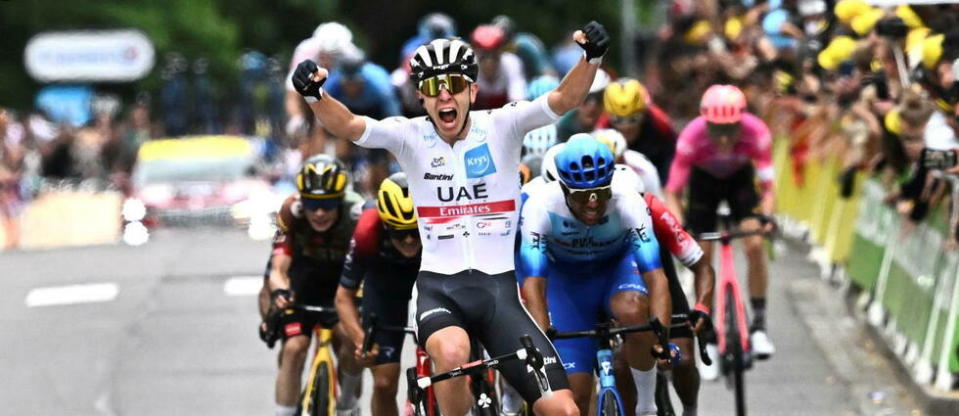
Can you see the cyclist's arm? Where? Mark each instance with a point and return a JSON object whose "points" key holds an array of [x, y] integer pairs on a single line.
{"points": [[533, 248], [279, 274], [354, 270], [349, 314], [681, 167], [705, 281], [764, 165], [572, 90], [669, 232], [337, 119], [645, 250]]}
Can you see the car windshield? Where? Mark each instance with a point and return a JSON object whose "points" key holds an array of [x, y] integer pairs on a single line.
{"points": [[192, 170]]}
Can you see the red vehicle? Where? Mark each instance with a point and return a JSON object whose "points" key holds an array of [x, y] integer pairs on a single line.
{"points": [[198, 181]]}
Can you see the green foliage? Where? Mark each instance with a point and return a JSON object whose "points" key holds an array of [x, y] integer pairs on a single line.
{"points": [[221, 30]]}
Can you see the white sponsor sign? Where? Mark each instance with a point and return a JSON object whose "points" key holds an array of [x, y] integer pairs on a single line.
{"points": [[109, 55]]}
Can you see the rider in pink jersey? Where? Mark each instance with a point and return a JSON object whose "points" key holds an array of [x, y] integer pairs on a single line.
{"points": [[721, 154], [695, 149]]}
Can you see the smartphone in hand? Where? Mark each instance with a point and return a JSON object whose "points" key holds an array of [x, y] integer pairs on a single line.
{"points": [[938, 159]]}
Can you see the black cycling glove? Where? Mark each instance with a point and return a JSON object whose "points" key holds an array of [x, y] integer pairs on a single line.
{"points": [[304, 84], [597, 41]]}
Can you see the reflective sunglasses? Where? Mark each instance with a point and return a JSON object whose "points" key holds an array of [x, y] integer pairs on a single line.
{"points": [[585, 196], [454, 83], [400, 235], [633, 119], [326, 204], [719, 130]]}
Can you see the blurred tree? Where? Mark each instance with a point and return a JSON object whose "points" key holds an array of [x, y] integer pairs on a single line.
{"points": [[221, 30]]}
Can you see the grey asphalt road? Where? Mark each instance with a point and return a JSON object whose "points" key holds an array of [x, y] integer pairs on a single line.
{"points": [[174, 342]]}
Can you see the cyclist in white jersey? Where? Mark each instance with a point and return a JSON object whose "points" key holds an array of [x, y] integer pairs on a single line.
{"points": [[462, 168]]}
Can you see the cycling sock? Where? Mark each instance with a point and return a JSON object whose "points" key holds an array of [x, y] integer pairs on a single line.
{"points": [[348, 384], [645, 390], [689, 410], [282, 410], [512, 402], [759, 314]]}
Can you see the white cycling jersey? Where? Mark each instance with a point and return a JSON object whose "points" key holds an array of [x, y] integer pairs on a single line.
{"points": [[646, 170], [551, 230], [466, 195]]}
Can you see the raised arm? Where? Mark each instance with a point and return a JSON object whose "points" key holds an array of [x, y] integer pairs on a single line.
{"points": [[308, 80], [573, 88]]}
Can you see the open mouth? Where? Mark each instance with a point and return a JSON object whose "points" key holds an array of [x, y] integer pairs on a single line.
{"points": [[448, 115]]}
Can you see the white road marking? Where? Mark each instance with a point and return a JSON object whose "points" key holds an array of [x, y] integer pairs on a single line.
{"points": [[243, 285], [65, 295]]}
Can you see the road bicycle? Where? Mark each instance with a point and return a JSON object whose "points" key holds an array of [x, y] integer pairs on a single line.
{"points": [[319, 393], [486, 399], [730, 320], [608, 400], [479, 369]]}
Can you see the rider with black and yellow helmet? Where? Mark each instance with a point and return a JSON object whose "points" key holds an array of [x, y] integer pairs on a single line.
{"points": [[385, 259], [646, 127], [314, 229]]}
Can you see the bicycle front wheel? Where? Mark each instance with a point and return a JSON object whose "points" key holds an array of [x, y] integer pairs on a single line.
{"points": [[610, 405], [734, 351], [484, 395], [322, 398]]}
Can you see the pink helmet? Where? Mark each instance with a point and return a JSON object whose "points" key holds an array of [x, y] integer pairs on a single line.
{"points": [[723, 104]]}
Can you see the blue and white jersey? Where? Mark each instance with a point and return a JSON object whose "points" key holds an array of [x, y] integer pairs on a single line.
{"points": [[552, 234]]}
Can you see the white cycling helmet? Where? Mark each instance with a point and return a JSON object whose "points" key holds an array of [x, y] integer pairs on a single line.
{"points": [[538, 141], [333, 37], [612, 138], [548, 168]]}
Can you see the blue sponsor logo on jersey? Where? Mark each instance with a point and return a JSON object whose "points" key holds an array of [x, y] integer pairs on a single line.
{"points": [[479, 162]]}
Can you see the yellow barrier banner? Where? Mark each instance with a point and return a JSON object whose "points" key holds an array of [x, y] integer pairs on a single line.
{"points": [[71, 218]]}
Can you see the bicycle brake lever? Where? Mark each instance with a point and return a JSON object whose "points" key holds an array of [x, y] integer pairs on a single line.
{"points": [[660, 332], [534, 359], [368, 336]]}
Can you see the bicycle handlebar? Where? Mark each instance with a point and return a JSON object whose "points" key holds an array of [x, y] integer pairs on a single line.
{"points": [[528, 353], [314, 308], [603, 330], [373, 326]]}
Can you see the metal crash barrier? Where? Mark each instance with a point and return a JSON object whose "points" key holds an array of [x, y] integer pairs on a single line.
{"points": [[904, 277]]}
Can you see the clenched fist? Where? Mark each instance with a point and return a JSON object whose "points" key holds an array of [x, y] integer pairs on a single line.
{"points": [[308, 79]]}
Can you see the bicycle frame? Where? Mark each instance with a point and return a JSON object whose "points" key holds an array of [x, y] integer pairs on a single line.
{"points": [[728, 281], [735, 352], [527, 353], [323, 354], [604, 355], [607, 379]]}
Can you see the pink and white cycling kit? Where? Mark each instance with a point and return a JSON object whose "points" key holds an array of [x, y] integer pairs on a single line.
{"points": [[695, 148]]}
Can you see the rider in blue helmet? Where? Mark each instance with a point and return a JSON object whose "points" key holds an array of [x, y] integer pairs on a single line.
{"points": [[588, 243], [585, 168]]}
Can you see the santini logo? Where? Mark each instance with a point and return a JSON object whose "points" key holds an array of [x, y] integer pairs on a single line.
{"points": [[437, 177]]}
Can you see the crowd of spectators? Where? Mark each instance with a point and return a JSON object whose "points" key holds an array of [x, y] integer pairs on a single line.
{"points": [[875, 85]]}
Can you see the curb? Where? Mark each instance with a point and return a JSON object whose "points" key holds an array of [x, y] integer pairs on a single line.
{"points": [[933, 401], [834, 294]]}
